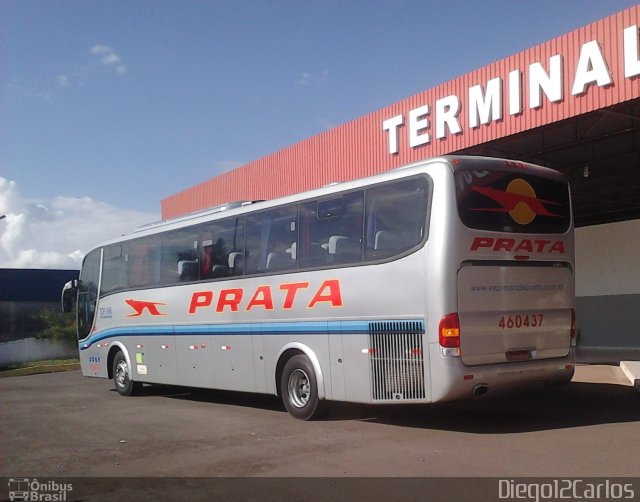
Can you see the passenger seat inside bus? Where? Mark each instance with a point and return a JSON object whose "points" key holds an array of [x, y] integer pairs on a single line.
{"points": [[343, 249], [315, 256], [236, 263], [279, 261], [390, 240], [188, 270], [386, 240], [219, 271]]}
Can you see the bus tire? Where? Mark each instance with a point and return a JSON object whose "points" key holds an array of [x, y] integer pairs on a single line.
{"points": [[299, 388], [123, 383]]}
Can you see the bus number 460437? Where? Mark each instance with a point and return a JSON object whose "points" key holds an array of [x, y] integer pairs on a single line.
{"points": [[520, 321]]}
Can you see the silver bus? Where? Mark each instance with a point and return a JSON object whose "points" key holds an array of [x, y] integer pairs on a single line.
{"points": [[446, 279]]}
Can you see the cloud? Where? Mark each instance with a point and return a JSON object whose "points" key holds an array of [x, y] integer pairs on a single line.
{"points": [[99, 49], [325, 123], [63, 81], [101, 57], [58, 232], [308, 79], [303, 79], [222, 166], [109, 57]]}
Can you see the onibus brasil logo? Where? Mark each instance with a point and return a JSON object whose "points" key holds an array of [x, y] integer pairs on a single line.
{"points": [[25, 489], [519, 200]]}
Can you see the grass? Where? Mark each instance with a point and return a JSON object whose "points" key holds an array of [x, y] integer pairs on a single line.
{"points": [[37, 367]]}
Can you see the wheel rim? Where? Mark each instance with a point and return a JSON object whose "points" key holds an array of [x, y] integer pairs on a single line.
{"points": [[299, 388], [121, 373]]}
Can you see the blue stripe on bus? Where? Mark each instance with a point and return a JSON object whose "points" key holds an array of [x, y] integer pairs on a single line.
{"points": [[267, 328]]}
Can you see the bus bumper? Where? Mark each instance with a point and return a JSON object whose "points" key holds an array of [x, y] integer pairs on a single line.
{"points": [[453, 380]]}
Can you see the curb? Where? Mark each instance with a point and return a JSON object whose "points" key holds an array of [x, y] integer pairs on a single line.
{"points": [[631, 369]]}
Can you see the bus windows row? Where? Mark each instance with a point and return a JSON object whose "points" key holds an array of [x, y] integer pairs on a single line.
{"points": [[349, 228]]}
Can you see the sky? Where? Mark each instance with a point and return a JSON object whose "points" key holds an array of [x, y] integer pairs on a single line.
{"points": [[109, 106]]}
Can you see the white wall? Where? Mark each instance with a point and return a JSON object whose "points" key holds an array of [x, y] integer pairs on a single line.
{"points": [[608, 259], [35, 349]]}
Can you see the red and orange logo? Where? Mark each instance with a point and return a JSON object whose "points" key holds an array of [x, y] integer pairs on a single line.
{"points": [[519, 200], [139, 306]]}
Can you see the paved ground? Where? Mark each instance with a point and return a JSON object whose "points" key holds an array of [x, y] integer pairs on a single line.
{"points": [[62, 424]]}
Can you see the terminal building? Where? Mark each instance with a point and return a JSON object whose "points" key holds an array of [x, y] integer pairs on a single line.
{"points": [[571, 103]]}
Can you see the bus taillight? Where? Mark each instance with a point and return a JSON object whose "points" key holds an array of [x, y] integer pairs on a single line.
{"points": [[450, 331]]}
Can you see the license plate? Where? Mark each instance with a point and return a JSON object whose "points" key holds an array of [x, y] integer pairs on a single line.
{"points": [[515, 356]]}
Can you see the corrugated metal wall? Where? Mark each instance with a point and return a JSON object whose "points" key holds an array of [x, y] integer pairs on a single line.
{"points": [[360, 147]]}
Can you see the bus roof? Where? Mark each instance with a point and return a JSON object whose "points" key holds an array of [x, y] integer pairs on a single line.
{"points": [[453, 162]]}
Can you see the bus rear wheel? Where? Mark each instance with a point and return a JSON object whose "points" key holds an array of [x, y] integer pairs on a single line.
{"points": [[121, 379], [299, 388]]}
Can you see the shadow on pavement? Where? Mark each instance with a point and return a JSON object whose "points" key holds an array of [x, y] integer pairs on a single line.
{"points": [[244, 399], [574, 405]]}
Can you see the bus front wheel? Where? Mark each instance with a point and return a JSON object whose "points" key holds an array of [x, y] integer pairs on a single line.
{"points": [[124, 385], [299, 388]]}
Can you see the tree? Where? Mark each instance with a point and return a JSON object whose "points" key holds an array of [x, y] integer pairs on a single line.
{"points": [[55, 325]]}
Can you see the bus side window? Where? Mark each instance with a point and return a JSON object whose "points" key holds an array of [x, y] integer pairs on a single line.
{"points": [[144, 262], [396, 217], [331, 231], [114, 270], [221, 244], [179, 256], [271, 240]]}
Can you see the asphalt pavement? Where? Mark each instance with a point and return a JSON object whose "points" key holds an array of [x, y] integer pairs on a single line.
{"points": [[171, 439]]}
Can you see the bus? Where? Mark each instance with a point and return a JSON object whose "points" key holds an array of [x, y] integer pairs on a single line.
{"points": [[443, 280]]}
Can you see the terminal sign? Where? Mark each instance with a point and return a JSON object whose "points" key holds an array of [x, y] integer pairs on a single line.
{"points": [[485, 104]]}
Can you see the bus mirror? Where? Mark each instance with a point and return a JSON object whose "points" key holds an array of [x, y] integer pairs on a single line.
{"points": [[68, 295]]}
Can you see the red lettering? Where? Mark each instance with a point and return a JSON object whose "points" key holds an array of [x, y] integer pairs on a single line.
{"points": [[541, 245], [333, 294], [515, 164], [261, 298], [481, 242], [229, 298], [505, 244], [291, 289], [558, 247], [525, 245], [200, 299]]}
